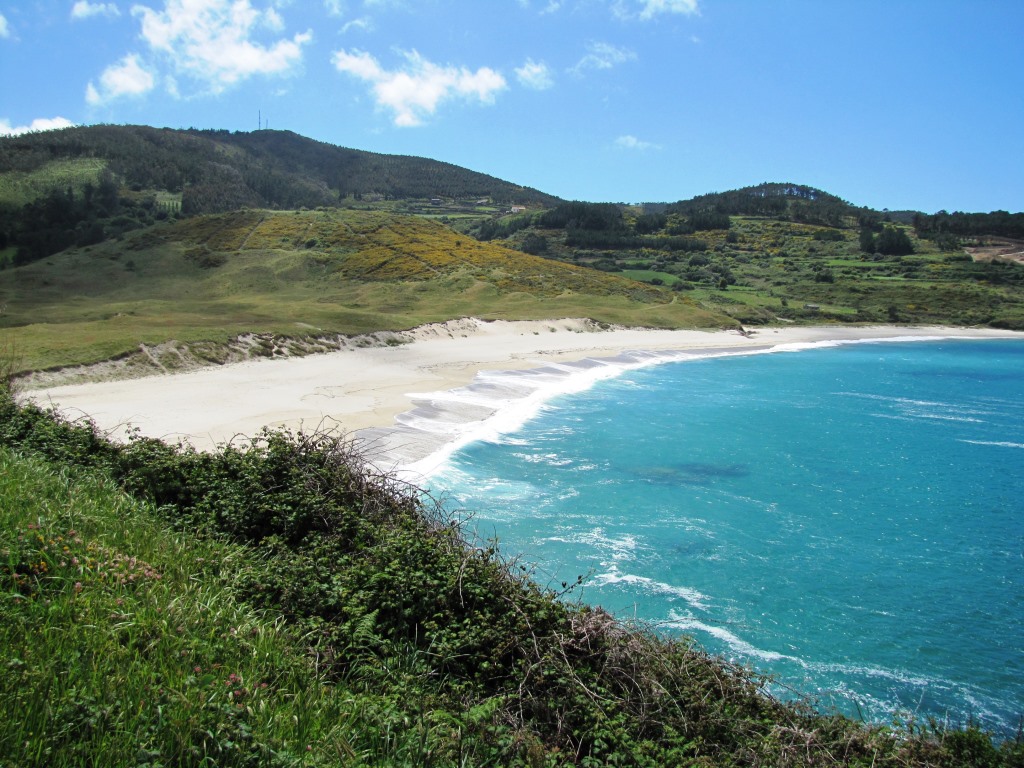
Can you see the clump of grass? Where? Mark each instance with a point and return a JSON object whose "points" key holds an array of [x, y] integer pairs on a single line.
{"points": [[10, 366], [122, 643]]}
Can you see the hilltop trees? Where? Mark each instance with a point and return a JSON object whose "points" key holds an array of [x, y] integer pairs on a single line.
{"points": [[603, 217], [534, 244], [795, 202], [1000, 223]]}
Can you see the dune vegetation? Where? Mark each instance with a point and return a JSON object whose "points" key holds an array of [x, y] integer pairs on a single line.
{"points": [[300, 274]]}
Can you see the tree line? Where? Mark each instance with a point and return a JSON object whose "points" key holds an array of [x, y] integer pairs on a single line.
{"points": [[958, 224]]}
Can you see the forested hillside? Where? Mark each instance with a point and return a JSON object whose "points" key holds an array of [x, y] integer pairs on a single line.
{"points": [[79, 186]]}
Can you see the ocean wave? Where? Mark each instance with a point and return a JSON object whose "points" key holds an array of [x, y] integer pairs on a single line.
{"points": [[925, 408], [497, 404], [997, 443], [734, 642], [844, 672], [947, 417], [692, 596], [550, 459], [837, 680], [934, 410], [596, 537]]}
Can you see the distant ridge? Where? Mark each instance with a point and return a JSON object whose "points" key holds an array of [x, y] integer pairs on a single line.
{"points": [[217, 170], [796, 202]]}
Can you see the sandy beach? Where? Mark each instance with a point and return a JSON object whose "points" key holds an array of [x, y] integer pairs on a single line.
{"points": [[407, 402]]}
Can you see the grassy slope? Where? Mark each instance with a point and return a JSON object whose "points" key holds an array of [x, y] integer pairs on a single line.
{"points": [[299, 273], [352, 627], [122, 641]]}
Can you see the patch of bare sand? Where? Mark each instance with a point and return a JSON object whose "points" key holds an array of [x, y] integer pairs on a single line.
{"points": [[360, 390]]}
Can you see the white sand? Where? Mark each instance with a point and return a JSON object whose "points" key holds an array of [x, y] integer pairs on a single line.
{"points": [[364, 390]]}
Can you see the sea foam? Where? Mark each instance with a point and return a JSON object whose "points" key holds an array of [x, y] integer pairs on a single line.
{"points": [[496, 404]]}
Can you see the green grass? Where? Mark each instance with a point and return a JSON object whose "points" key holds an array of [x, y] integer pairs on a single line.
{"points": [[123, 645], [299, 273], [646, 275]]}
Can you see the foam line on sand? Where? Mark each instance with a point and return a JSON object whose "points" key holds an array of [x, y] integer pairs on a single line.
{"points": [[451, 383]]}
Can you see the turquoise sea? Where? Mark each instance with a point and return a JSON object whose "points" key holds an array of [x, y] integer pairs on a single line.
{"points": [[848, 519]]}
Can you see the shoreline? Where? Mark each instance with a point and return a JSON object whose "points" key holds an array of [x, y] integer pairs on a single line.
{"points": [[449, 384]]}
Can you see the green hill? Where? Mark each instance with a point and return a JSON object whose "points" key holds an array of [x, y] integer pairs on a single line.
{"points": [[278, 169], [300, 273], [79, 186], [786, 253]]}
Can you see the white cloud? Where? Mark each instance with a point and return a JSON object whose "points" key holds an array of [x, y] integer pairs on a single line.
{"points": [[632, 142], [603, 56], [39, 124], [83, 9], [364, 24], [415, 92], [648, 9], [212, 40], [535, 74], [272, 20], [126, 78], [334, 7], [5, 31]]}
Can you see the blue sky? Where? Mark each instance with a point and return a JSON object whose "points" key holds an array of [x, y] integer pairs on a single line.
{"points": [[892, 104]]}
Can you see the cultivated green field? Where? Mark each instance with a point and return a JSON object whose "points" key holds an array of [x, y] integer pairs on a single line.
{"points": [[20, 187], [763, 270]]}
